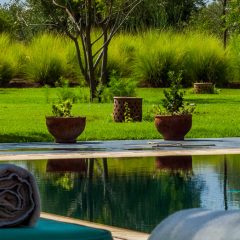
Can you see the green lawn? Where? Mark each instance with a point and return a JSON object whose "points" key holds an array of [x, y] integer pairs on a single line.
{"points": [[23, 111]]}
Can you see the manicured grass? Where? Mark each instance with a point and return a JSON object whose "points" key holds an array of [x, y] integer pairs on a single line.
{"points": [[23, 111]]}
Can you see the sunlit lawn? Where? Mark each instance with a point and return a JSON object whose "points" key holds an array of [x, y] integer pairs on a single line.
{"points": [[23, 111]]}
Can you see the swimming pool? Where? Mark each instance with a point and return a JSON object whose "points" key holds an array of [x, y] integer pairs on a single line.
{"points": [[136, 193]]}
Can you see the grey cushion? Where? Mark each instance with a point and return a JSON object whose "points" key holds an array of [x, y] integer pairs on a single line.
{"points": [[199, 224]]}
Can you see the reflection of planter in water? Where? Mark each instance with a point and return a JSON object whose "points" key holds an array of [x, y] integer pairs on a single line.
{"points": [[67, 165], [134, 105], [65, 129], [206, 87], [173, 127], [174, 163]]}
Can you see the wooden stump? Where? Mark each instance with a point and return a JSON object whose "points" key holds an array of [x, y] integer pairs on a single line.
{"points": [[206, 87]]}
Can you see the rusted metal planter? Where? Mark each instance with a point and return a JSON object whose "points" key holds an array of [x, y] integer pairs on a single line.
{"points": [[173, 127], [206, 87], [65, 129], [134, 105]]}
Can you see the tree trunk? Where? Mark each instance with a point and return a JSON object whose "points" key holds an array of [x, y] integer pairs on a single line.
{"points": [[104, 73], [80, 63], [224, 24], [89, 54], [90, 69]]}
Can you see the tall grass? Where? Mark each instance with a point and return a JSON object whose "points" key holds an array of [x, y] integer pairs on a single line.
{"points": [[46, 59], [10, 55], [156, 56], [205, 59], [122, 52], [146, 56], [200, 58]]}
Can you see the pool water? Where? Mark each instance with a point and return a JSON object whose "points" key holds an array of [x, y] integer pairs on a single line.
{"points": [[136, 193]]}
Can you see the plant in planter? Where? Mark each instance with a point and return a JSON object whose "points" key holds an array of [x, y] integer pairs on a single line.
{"points": [[127, 107], [176, 120], [62, 125]]}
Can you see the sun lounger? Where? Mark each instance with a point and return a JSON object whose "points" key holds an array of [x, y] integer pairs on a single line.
{"points": [[53, 230]]}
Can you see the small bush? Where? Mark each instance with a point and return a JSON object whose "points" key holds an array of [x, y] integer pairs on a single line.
{"points": [[118, 87], [173, 102], [62, 108]]}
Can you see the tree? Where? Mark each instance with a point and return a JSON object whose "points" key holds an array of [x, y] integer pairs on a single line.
{"points": [[77, 19], [233, 16], [16, 18], [224, 15], [163, 13]]}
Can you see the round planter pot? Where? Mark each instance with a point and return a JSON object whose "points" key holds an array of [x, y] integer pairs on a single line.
{"points": [[206, 87], [173, 127], [65, 129], [134, 105]]}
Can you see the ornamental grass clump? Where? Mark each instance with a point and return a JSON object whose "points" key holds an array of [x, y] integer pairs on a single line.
{"points": [[202, 58], [47, 59], [9, 59]]}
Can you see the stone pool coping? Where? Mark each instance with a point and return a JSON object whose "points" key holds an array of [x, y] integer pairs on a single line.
{"points": [[117, 233], [118, 148]]}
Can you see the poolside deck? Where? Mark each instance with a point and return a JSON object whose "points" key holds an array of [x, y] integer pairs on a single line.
{"points": [[118, 148], [117, 233]]}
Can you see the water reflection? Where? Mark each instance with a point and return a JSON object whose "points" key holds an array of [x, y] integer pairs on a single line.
{"points": [[174, 163], [67, 165], [128, 193]]}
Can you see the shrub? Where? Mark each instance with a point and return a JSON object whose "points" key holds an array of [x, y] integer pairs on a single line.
{"points": [[62, 108], [118, 87], [173, 102]]}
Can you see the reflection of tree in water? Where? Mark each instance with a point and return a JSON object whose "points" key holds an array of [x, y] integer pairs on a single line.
{"points": [[136, 200], [229, 170]]}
